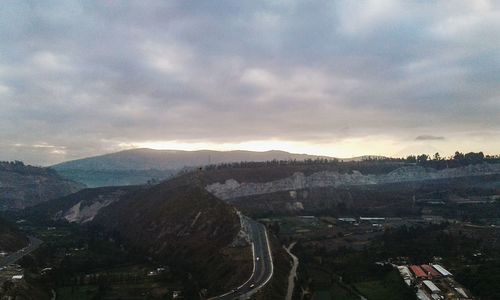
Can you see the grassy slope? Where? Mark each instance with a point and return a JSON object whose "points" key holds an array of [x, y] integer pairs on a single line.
{"points": [[389, 287]]}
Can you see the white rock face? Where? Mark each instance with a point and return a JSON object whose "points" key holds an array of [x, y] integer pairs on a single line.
{"points": [[233, 189], [87, 209], [294, 206], [84, 214], [243, 237]]}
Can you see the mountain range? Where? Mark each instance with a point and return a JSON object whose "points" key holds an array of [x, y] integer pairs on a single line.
{"points": [[147, 159], [138, 166]]}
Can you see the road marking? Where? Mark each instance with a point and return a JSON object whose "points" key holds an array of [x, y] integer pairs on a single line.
{"points": [[271, 258], [253, 271], [255, 290]]}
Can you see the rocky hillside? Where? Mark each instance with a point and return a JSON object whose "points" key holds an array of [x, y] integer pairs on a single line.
{"points": [[80, 207], [186, 226], [388, 188], [176, 221], [231, 188], [138, 166], [11, 239], [23, 186]]}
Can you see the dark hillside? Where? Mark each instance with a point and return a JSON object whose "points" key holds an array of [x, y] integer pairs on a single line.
{"points": [[11, 239], [387, 200], [273, 170], [185, 226]]}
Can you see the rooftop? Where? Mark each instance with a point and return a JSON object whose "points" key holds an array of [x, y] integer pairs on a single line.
{"points": [[441, 270], [431, 286], [418, 271]]}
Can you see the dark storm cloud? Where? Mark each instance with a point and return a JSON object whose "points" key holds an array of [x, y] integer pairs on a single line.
{"points": [[84, 77]]}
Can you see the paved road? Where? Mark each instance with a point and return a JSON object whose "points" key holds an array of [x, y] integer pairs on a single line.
{"points": [[14, 257], [263, 264]]}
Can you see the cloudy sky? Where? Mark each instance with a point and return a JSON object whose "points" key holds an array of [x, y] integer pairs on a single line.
{"points": [[340, 78]]}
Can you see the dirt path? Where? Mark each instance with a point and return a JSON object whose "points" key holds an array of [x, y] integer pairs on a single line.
{"points": [[293, 272]]}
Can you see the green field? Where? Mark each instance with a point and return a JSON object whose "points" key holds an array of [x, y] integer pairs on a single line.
{"points": [[336, 292], [388, 288], [129, 291], [339, 292], [323, 295], [77, 293], [293, 225]]}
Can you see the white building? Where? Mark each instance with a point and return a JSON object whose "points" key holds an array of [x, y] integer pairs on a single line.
{"points": [[442, 270], [406, 274], [431, 287], [17, 277]]}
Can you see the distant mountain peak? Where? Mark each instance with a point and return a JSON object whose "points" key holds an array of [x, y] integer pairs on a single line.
{"points": [[138, 166], [146, 158]]}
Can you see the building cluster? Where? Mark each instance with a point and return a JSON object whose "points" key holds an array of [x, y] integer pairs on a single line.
{"points": [[12, 272], [433, 282]]}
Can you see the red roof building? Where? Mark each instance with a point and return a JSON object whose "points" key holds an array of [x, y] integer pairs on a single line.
{"points": [[419, 273], [430, 271]]}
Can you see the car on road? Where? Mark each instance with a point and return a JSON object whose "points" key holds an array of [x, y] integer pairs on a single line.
{"points": [[257, 258], [252, 285]]}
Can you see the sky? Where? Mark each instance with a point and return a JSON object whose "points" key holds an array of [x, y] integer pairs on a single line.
{"points": [[339, 78]]}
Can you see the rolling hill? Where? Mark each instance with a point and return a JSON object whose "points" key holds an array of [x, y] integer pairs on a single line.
{"points": [[147, 159], [138, 166], [185, 223], [177, 222]]}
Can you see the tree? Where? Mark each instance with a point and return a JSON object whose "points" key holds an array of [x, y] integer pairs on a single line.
{"points": [[275, 227], [411, 159], [437, 156], [422, 158], [473, 157], [458, 156]]}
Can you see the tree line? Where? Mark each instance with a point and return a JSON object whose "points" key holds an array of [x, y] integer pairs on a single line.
{"points": [[456, 160], [436, 161], [19, 167]]}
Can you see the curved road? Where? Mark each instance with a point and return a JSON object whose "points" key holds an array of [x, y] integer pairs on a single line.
{"points": [[262, 262]]}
